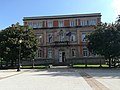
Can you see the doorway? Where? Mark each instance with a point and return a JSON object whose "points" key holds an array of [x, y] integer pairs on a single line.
{"points": [[61, 56]]}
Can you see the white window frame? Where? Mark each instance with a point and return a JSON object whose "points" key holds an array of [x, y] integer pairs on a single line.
{"points": [[84, 22], [30, 25], [61, 36], [34, 24], [73, 52], [50, 38], [92, 22], [40, 24], [72, 23], [73, 37], [61, 23], [39, 53], [50, 23], [40, 38], [85, 52], [83, 37], [49, 53]]}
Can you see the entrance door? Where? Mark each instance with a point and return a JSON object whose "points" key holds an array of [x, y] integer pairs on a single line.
{"points": [[61, 56]]}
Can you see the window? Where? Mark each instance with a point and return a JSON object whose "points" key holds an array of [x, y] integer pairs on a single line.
{"points": [[73, 37], [72, 23], [62, 37], [49, 53], [39, 53], [92, 22], [85, 52], [83, 37], [34, 25], [50, 23], [40, 24], [73, 53], [49, 38], [40, 39], [30, 24], [61, 23], [84, 22]]}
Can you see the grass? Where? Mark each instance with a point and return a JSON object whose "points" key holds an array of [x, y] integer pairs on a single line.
{"points": [[74, 66], [94, 66], [35, 67]]}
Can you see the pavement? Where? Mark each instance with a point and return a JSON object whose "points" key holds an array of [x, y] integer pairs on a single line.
{"points": [[60, 79]]}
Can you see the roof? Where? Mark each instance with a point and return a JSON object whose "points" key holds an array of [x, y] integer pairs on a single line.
{"points": [[62, 16]]}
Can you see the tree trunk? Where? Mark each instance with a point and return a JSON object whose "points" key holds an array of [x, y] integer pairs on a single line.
{"points": [[109, 62], [12, 63], [32, 63], [100, 63], [1, 63], [6, 63], [86, 63], [114, 63]]}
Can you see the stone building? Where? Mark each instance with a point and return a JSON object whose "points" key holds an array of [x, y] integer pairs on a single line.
{"points": [[62, 38]]}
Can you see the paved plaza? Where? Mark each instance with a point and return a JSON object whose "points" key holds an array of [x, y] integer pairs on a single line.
{"points": [[60, 79]]}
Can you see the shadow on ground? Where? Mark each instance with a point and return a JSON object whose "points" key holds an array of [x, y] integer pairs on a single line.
{"points": [[100, 73]]}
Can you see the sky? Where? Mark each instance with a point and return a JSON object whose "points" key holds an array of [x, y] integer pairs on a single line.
{"points": [[12, 11]]}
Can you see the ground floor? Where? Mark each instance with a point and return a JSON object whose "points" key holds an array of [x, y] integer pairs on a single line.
{"points": [[62, 54]]}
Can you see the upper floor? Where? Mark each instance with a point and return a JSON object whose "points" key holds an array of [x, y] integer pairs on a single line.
{"points": [[76, 20]]}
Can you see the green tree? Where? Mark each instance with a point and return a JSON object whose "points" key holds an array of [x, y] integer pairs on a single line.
{"points": [[9, 43], [105, 41]]}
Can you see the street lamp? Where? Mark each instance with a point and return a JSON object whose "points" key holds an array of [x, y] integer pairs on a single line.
{"points": [[18, 68]]}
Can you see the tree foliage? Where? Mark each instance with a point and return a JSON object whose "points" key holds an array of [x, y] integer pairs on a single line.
{"points": [[105, 41], [10, 45]]}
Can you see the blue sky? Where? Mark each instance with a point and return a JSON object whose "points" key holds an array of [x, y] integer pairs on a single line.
{"points": [[12, 11]]}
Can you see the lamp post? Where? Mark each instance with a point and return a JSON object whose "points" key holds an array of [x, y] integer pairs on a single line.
{"points": [[18, 68]]}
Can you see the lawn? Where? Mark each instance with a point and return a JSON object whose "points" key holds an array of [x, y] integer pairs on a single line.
{"points": [[35, 67], [81, 65]]}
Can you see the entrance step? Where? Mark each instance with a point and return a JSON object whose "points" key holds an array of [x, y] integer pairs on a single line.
{"points": [[60, 67]]}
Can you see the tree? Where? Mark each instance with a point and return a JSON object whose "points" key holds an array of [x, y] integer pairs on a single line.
{"points": [[105, 41], [9, 43]]}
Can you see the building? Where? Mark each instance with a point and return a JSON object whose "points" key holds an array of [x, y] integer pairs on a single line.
{"points": [[62, 38]]}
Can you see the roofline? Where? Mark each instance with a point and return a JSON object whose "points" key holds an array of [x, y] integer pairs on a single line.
{"points": [[62, 16]]}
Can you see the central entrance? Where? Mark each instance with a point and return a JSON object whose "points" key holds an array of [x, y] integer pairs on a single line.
{"points": [[61, 56]]}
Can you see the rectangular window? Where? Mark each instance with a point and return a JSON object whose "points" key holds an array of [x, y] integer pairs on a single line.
{"points": [[83, 22], [40, 39], [61, 23], [85, 52], [50, 23], [61, 37], [39, 53], [30, 24], [73, 37], [73, 53], [72, 23], [83, 37], [50, 37], [49, 53], [40, 24], [34, 25], [92, 22]]}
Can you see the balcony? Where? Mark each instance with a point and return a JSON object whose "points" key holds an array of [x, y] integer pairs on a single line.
{"points": [[60, 43]]}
